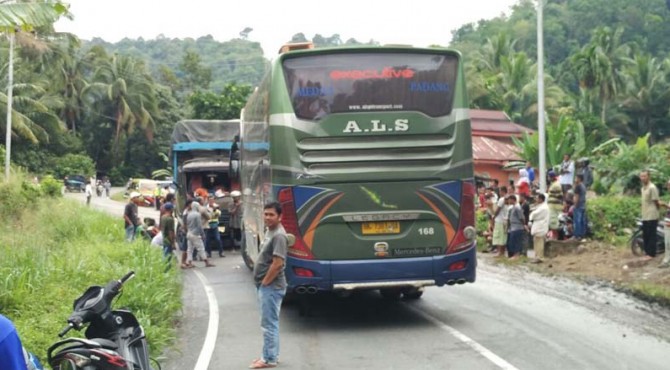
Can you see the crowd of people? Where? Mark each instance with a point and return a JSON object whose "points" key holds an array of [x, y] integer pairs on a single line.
{"points": [[519, 214], [198, 234]]}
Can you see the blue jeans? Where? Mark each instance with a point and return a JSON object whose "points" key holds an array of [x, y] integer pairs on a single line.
{"points": [[269, 299], [579, 222], [130, 233], [212, 236]]}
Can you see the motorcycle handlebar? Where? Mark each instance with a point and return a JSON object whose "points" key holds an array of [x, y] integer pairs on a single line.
{"points": [[127, 276], [65, 330]]}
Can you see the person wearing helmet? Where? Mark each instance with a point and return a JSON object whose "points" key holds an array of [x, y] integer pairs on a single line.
{"points": [[236, 218]]}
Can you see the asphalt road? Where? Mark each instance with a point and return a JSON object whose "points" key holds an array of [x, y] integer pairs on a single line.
{"points": [[508, 319]]}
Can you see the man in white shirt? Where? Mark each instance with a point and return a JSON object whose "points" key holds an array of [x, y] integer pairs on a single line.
{"points": [[539, 220], [499, 240], [567, 173]]}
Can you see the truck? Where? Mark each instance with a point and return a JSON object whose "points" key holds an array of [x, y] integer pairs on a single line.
{"points": [[201, 159]]}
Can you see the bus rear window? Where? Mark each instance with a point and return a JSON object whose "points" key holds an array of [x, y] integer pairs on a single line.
{"points": [[339, 83]]}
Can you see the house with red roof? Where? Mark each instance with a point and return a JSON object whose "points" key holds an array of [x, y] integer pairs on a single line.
{"points": [[492, 145]]}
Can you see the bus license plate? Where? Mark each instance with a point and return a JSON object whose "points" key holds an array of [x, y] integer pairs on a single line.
{"points": [[388, 227]]}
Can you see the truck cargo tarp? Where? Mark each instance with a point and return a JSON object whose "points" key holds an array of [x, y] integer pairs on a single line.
{"points": [[205, 131]]}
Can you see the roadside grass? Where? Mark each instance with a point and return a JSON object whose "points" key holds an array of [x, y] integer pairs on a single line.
{"points": [[604, 265], [651, 292], [55, 248]]}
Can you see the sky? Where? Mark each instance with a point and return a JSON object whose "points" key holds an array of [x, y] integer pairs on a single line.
{"points": [[414, 22]]}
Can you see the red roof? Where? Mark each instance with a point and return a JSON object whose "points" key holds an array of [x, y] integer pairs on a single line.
{"points": [[494, 123], [491, 150]]}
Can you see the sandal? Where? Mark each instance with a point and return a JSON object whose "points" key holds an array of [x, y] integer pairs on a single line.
{"points": [[260, 364]]}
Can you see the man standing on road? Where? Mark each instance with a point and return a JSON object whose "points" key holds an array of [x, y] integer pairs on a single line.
{"points": [[499, 239], [579, 213], [271, 284], [89, 194], [168, 231], [195, 235], [130, 217], [539, 220], [555, 204], [650, 205]]}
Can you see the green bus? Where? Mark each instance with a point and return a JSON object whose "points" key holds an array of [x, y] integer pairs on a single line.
{"points": [[369, 152]]}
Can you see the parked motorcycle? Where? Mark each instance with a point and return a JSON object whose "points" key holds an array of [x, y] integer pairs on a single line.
{"points": [[636, 241], [115, 340]]}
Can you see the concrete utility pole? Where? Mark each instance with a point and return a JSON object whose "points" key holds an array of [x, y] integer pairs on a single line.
{"points": [[10, 90], [540, 99]]}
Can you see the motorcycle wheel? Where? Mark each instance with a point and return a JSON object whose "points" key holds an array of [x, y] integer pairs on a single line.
{"points": [[637, 244]]}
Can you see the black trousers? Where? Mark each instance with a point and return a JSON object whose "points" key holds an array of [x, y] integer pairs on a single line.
{"points": [[649, 236]]}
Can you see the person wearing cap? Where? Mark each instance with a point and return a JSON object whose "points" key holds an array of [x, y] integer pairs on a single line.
{"points": [[236, 218], [168, 230], [555, 202], [130, 218]]}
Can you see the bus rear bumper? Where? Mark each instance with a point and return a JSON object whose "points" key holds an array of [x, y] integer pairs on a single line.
{"points": [[416, 272]]}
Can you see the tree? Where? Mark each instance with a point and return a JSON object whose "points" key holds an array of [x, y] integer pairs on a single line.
{"points": [[597, 65], [566, 136], [197, 76], [244, 34], [227, 105], [125, 85], [646, 97]]}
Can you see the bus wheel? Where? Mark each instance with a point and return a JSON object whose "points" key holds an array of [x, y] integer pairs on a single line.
{"points": [[392, 294], [412, 294]]}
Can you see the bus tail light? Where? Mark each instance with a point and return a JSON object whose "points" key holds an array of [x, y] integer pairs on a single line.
{"points": [[460, 265], [303, 272], [466, 232], [289, 219]]}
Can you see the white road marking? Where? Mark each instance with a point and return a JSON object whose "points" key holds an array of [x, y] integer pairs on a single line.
{"points": [[497, 360], [212, 327]]}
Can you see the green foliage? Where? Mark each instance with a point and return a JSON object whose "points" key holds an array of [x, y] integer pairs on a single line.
{"points": [[482, 225], [56, 255], [51, 187], [619, 164], [15, 195], [612, 215], [226, 105], [73, 164], [566, 136]]}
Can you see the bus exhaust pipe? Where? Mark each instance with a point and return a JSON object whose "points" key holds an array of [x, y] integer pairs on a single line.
{"points": [[451, 282], [461, 281], [301, 289], [312, 289]]}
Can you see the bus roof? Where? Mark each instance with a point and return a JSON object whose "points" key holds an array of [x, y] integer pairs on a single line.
{"points": [[368, 48]]}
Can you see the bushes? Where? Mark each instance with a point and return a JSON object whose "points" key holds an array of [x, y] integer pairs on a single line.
{"points": [[73, 164], [611, 216], [51, 187], [58, 249]]}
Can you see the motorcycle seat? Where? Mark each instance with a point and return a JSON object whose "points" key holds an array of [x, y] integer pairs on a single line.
{"points": [[106, 343]]}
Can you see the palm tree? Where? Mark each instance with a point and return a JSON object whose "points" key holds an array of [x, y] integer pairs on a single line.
{"points": [[646, 96], [598, 64], [125, 84]]}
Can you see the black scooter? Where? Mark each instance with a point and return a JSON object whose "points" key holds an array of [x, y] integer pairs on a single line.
{"points": [[636, 241], [115, 339]]}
